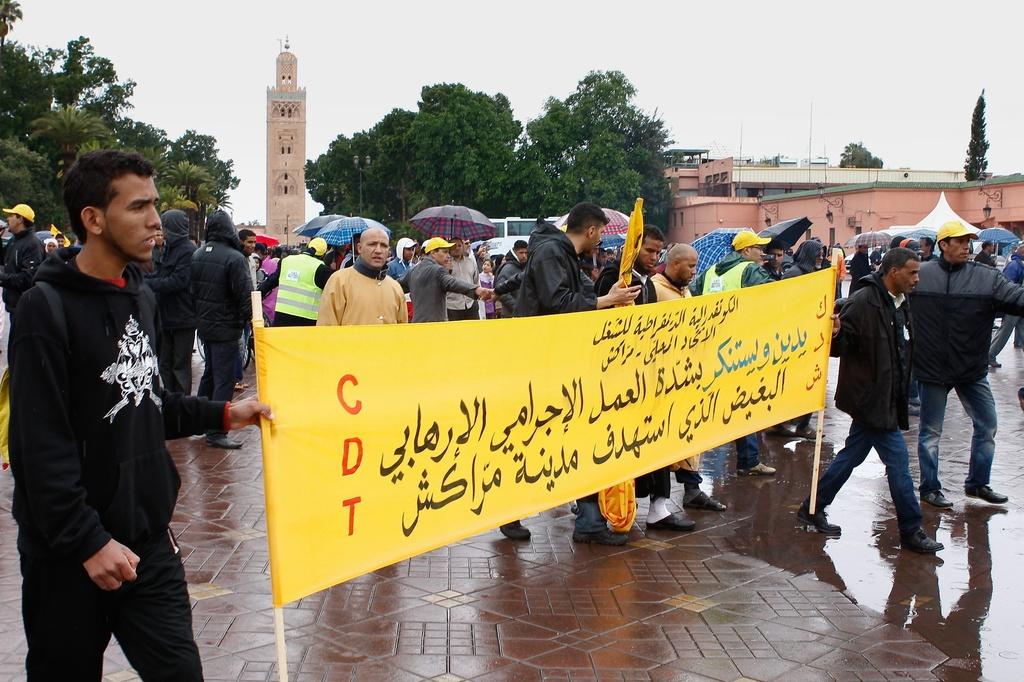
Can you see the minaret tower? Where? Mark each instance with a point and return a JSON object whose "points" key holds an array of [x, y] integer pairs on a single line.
{"points": [[286, 148]]}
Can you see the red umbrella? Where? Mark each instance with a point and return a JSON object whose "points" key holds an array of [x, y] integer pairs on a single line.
{"points": [[267, 240], [618, 222]]}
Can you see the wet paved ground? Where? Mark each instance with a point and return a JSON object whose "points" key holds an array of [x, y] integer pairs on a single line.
{"points": [[748, 596]]}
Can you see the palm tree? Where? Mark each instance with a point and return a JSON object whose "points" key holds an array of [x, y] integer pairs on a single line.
{"points": [[70, 128], [193, 181], [172, 198], [10, 12]]}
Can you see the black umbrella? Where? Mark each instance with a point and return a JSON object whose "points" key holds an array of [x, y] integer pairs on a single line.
{"points": [[788, 232]]}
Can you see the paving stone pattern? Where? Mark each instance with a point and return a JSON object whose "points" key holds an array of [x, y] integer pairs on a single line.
{"points": [[747, 596]]}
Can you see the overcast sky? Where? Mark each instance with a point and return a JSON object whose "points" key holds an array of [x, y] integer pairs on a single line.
{"points": [[903, 77]]}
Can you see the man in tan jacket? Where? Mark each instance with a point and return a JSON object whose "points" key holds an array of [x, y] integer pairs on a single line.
{"points": [[364, 293], [674, 283]]}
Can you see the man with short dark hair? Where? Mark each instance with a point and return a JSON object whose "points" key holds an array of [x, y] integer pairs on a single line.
{"points": [[874, 342], [643, 268], [927, 250], [248, 239], [552, 284], [95, 488], [955, 305], [513, 265], [221, 289], [986, 256], [774, 257], [22, 256]]}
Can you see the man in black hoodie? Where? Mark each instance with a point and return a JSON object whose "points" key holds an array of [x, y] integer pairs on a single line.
{"points": [[94, 490], [512, 266], [177, 316], [221, 289], [551, 284]]}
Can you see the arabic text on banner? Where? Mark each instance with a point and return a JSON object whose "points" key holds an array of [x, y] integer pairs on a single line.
{"points": [[392, 440]]}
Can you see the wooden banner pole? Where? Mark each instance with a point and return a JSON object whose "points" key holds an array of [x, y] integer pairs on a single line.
{"points": [[282, 644]]}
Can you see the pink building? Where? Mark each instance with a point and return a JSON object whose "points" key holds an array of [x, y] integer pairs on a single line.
{"points": [[756, 196]]}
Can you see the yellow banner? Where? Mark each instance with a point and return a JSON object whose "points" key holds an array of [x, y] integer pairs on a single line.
{"points": [[392, 440]]}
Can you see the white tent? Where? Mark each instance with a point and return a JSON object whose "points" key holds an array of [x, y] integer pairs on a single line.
{"points": [[939, 216]]}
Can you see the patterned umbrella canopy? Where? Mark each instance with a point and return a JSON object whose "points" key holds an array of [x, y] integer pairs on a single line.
{"points": [[618, 222], [871, 239], [1000, 235], [311, 227], [714, 246], [340, 232], [453, 222]]}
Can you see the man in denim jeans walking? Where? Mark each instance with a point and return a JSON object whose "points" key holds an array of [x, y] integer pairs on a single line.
{"points": [[875, 345], [954, 305]]}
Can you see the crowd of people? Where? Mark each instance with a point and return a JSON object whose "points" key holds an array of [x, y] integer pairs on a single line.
{"points": [[101, 347]]}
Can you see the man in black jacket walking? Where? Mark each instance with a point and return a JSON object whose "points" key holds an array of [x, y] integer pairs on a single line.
{"points": [[95, 488], [551, 284], [955, 305], [874, 344], [170, 282], [22, 256], [221, 289]]}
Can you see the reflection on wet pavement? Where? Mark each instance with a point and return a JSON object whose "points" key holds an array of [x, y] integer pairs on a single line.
{"points": [[749, 595]]}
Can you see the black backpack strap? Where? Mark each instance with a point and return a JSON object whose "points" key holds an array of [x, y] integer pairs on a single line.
{"points": [[53, 299]]}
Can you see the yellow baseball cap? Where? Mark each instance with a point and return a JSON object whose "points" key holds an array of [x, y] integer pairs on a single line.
{"points": [[955, 228], [319, 245], [744, 239], [435, 243], [24, 210]]}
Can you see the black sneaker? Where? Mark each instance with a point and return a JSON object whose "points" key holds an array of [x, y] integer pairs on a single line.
{"points": [[936, 499], [920, 543], [986, 493], [818, 520], [515, 531], [601, 537]]}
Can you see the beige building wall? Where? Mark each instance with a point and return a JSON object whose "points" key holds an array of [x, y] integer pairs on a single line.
{"points": [[286, 149]]}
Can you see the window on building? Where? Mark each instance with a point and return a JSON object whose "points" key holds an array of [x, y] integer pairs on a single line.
{"points": [[286, 189], [289, 150], [285, 176]]}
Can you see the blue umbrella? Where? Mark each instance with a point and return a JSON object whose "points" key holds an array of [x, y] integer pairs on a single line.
{"points": [[714, 246], [999, 235], [340, 232], [314, 225], [612, 241]]}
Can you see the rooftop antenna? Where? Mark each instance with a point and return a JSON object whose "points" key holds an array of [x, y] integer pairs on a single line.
{"points": [[286, 45], [280, 45]]}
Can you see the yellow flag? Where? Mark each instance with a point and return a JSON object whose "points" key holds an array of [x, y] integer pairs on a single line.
{"points": [[634, 237]]}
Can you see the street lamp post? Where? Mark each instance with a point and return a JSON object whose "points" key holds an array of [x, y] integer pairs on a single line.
{"points": [[361, 163]]}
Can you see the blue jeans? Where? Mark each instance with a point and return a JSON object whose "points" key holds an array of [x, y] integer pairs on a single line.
{"points": [[746, 452], [892, 450], [218, 382], [588, 515], [976, 397]]}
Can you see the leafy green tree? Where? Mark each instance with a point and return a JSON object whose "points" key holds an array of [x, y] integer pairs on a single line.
{"points": [[137, 135], [395, 182], [856, 155], [202, 150], [596, 145], [329, 177], [464, 147], [24, 90], [90, 82], [10, 12], [194, 183], [26, 177], [977, 149]]}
